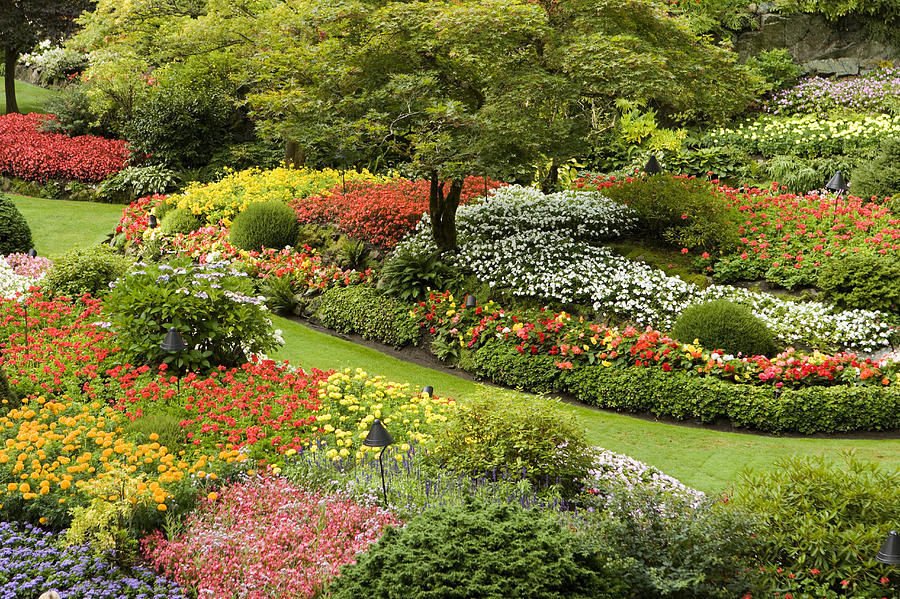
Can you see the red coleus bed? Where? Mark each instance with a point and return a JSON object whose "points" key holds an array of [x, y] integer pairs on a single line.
{"points": [[29, 153], [379, 213], [573, 340]]}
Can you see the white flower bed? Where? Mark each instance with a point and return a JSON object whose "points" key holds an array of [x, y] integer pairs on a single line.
{"points": [[11, 283], [527, 255], [620, 473]]}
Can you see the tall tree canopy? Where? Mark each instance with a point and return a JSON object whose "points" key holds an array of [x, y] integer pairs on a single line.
{"points": [[23, 23]]}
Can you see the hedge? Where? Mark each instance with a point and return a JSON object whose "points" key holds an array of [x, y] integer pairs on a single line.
{"points": [[362, 309]]}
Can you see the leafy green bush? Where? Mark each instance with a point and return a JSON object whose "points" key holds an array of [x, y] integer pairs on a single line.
{"points": [[863, 280], [137, 181], [264, 224], [776, 67], [489, 551], [679, 211], [362, 309], [213, 307], [72, 109], [516, 434], [726, 326], [409, 275], [881, 176], [179, 220], [85, 270], [166, 426], [505, 365], [56, 64], [822, 524], [241, 156], [15, 234], [671, 546]]}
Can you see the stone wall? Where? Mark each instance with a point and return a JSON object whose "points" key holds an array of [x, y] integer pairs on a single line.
{"points": [[821, 47]]}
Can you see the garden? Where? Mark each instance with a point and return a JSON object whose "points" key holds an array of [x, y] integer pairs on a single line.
{"points": [[446, 299]]}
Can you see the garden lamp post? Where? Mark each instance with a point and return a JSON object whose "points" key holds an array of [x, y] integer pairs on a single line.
{"points": [[379, 437], [151, 221], [836, 184], [652, 167], [32, 253], [174, 343], [470, 301], [890, 550], [428, 390]]}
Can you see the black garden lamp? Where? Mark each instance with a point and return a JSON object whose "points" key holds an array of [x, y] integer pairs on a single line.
{"points": [[653, 167], [32, 253], [174, 343], [470, 301], [151, 221], [428, 390], [890, 550], [340, 158], [379, 437], [836, 183]]}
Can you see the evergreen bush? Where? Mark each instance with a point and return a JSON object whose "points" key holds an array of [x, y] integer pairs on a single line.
{"points": [[725, 326], [880, 177], [865, 281], [15, 234], [179, 220], [264, 224], [85, 270]]}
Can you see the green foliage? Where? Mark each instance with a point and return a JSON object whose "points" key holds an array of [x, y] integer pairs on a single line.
{"points": [[822, 523], [73, 113], [504, 364], [179, 220], [863, 280], [521, 436], [672, 546], [776, 67], [241, 156], [362, 309], [353, 253], [490, 551], [879, 15], [166, 425], [264, 224], [281, 297], [9, 399], [56, 64], [880, 177], [726, 326], [15, 234], [409, 275], [137, 181], [682, 212], [85, 270], [212, 306]]}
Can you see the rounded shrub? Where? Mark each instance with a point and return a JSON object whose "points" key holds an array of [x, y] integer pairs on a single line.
{"points": [[163, 209], [85, 270], [15, 234], [880, 177], [179, 220], [264, 224], [869, 281], [725, 326], [489, 551]]}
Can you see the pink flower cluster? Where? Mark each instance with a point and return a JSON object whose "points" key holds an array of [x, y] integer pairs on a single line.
{"points": [[26, 266], [267, 538]]}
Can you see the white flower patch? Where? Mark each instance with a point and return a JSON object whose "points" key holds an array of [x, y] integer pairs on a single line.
{"points": [[12, 284]]}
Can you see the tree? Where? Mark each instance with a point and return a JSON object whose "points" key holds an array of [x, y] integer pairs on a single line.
{"points": [[23, 23], [457, 87]]}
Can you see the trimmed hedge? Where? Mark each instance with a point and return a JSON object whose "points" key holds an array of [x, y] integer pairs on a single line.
{"points": [[503, 364], [362, 309]]}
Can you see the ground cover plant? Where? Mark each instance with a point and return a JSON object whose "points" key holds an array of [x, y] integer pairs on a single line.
{"points": [[870, 92]]}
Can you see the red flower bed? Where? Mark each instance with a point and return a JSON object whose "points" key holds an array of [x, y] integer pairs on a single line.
{"points": [[29, 153], [379, 213]]}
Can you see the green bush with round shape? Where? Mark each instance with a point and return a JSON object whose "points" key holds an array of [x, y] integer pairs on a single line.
{"points": [[725, 326], [880, 177], [85, 270], [179, 220], [264, 224], [488, 551], [15, 234], [863, 280], [164, 208]]}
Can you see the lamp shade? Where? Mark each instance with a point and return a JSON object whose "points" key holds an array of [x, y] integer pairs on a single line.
{"points": [[151, 221], [378, 436], [836, 183], [470, 301], [173, 342], [890, 551], [32, 253], [428, 390], [653, 167]]}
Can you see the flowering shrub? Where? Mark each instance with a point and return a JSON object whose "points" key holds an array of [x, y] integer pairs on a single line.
{"points": [[34, 561], [223, 200], [269, 538], [617, 473], [381, 213], [29, 153], [818, 95]]}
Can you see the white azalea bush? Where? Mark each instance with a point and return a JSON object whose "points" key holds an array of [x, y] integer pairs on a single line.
{"points": [[529, 258]]}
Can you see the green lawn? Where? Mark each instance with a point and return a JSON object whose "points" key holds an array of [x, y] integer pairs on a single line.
{"points": [[705, 459], [30, 98], [60, 225]]}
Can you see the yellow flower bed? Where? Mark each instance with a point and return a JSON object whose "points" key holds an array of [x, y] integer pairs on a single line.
{"points": [[50, 450], [351, 401], [224, 199]]}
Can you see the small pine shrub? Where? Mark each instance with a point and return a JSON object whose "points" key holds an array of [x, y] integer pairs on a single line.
{"points": [[881, 176], [869, 281], [489, 551], [725, 326], [85, 270], [15, 234], [264, 224], [179, 220], [163, 427], [163, 209]]}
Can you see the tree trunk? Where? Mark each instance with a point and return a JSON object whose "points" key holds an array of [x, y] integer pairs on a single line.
{"points": [[294, 156], [443, 211], [12, 58], [550, 182]]}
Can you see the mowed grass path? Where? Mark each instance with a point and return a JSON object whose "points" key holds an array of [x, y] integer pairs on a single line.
{"points": [[705, 459], [29, 98], [60, 225]]}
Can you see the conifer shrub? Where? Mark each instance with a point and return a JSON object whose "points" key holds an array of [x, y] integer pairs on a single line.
{"points": [[15, 234], [725, 326], [864, 281], [264, 224], [179, 220], [880, 177]]}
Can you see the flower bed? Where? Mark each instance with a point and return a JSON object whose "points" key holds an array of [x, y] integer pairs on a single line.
{"points": [[818, 95], [29, 153]]}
